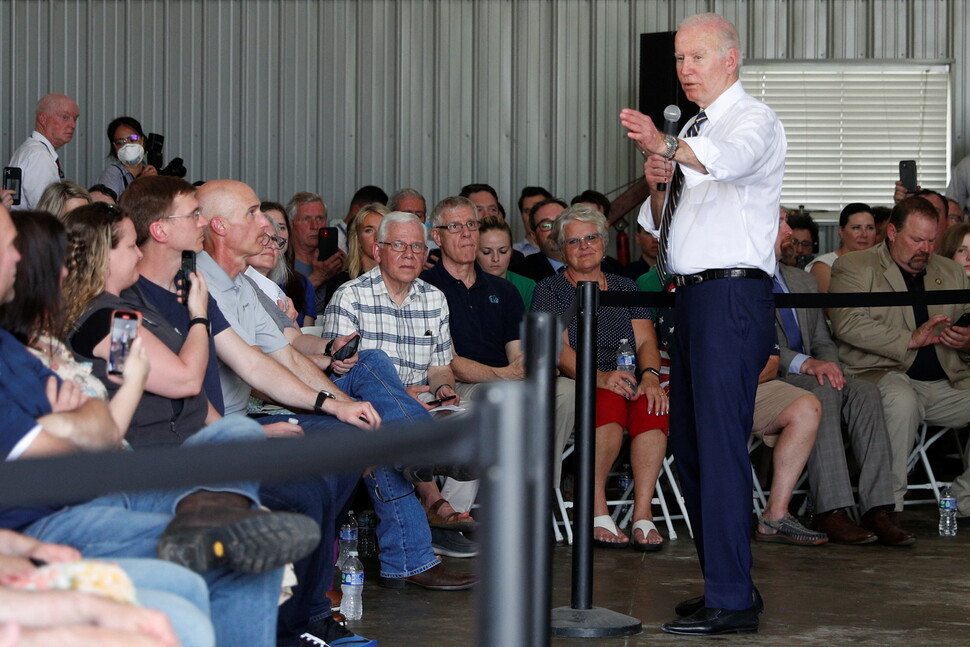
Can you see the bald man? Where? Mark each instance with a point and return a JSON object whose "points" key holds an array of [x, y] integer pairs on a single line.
{"points": [[54, 126]]}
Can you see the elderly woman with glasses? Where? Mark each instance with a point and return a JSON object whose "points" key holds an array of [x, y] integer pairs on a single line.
{"points": [[635, 402], [127, 157]]}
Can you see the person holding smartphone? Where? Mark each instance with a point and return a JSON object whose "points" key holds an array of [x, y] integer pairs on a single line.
{"points": [[37, 157]]}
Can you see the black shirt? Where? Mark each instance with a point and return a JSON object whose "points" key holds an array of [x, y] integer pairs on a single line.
{"points": [[926, 367]]}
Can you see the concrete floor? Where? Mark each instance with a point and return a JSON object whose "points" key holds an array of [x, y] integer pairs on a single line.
{"points": [[828, 595]]}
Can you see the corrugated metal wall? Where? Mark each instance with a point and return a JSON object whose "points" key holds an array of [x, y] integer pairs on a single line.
{"points": [[329, 95]]}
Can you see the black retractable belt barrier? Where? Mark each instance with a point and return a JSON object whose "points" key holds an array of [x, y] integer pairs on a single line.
{"points": [[582, 619]]}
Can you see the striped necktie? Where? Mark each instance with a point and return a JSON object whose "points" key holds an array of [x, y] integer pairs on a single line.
{"points": [[674, 192]]}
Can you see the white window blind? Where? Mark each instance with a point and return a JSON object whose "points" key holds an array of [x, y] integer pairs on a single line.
{"points": [[849, 125]]}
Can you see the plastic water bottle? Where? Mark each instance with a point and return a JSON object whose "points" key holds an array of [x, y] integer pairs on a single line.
{"points": [[348, 539], [625, 478], [366, 535], [948, 514], [626, 359], [352, 587]]}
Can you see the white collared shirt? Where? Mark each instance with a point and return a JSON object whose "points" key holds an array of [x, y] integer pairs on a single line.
{"points": [[728, 217], [37, 160]]}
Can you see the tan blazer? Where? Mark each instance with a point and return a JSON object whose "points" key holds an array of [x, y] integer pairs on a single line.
{"points": [[873, 341]]}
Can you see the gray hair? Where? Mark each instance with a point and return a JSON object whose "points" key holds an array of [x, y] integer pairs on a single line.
{"points": [[723, 29], [579, 212], [404, 193], [401, 217], [303, 197], [450, 204]]}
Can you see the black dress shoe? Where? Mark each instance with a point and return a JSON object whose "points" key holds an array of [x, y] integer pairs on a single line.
{"points": [[713, 622], [693, 605], [437, 578]]}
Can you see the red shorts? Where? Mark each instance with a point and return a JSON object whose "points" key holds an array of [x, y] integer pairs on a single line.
{"points": [[630, 414]]}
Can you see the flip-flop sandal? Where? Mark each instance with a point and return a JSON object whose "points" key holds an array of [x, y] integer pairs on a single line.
{"points": [[645, 526], [453, 521], [605, 522]]}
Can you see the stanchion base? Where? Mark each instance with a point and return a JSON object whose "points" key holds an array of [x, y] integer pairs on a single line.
{"points": [[592, 623]]}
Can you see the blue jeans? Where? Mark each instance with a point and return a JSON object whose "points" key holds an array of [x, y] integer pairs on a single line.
{"points": [[243, 605], [321, 498], [402, 526], [178, 593]]}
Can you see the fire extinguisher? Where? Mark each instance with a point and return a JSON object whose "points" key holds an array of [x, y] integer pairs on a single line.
{"points": [[622, 243]]}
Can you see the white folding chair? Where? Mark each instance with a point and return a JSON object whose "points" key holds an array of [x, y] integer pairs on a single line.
{"points": [[924, 440]]}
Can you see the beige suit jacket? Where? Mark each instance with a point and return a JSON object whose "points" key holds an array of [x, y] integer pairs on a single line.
{"points": [[873, 341]]}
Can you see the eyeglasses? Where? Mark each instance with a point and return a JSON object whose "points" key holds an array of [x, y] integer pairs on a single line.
{"points": [[130, 139], [801, 244], [544, 226], [279, 241], [400, 246], [592, 239], [195, 214], [456, 227]]}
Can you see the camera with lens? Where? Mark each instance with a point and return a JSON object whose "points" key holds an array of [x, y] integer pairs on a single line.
{"points": [[175, 168]]}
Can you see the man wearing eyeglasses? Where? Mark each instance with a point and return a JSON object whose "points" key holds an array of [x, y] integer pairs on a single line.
{"points": [[486, 314], [56, 120], [548, 260]]}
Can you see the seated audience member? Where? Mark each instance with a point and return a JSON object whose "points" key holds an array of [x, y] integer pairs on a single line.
{"points": [[804, 237], [395, 311], [914, 354], [648, 254], [60, 197], [602, 204], [881, 217], [35, 315], [294, 285], [548, 261], [172, 523], [127, 158], [956, 245], [56, 597], [101, 193], [810, 360], [484, 197], [857, 231], [369, 194], [635, 403], [954, 211], [235, 232], [307, 215], [495, 254], [528, 198], [409, 201], [361, 237], [174, 407], [934, 198], [486, 311]]}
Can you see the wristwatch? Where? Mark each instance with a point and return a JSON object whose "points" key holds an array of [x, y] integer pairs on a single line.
{"points": [[652, 370], [205, 322], [672, 145], [322, 397]]}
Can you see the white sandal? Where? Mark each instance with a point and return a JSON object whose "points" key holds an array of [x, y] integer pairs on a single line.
{"points": [[645, 526], [606, 522]]}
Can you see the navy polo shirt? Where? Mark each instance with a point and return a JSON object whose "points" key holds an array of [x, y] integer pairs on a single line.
{"points": [[484, 317]]}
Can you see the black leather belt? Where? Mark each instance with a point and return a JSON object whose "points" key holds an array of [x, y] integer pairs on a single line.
{"points": [[681, 280]]}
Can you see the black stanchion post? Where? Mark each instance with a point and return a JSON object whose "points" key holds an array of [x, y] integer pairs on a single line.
{"points": [[542, 353], [504, 587], [582, 619]]}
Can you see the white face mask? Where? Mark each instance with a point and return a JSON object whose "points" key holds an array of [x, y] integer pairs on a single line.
{"points": [[131, 154]]}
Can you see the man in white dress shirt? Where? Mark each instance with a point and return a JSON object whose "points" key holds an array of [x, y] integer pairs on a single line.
{"points": [[717, 240], [37, 158]]}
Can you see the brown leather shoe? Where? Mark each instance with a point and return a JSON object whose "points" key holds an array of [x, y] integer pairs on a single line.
{"points": [[433, 579], [882, 521], [840, 529]]}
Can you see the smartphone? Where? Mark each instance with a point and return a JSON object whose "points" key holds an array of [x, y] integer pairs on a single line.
{"points": [[327, 243], [347, 349], [964, 320], [188, 266], [12, 177], [124, 330], [907, 175], [440, 401]]}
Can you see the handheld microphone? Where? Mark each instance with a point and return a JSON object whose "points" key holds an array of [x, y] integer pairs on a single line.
{"points": [[671, 121]]}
